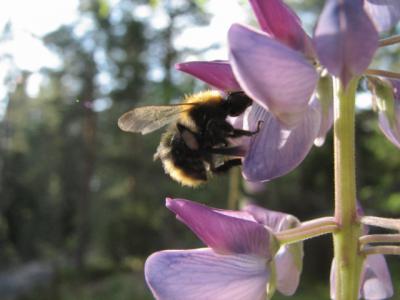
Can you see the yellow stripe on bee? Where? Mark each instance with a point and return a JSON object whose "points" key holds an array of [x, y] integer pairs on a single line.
{"points": [[179, 175]]}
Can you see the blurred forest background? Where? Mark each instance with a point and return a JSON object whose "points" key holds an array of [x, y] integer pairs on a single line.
{"points": [[82, 203]]}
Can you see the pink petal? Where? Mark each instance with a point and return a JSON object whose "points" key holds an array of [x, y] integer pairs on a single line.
{"points": [[216, 73], [384, 13], [276, 150], [273, 75], [278, 20], [345, 38], [202, 274], [222, 232]]}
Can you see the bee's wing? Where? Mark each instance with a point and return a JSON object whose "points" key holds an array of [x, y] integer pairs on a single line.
{"points": [[146, 119]]}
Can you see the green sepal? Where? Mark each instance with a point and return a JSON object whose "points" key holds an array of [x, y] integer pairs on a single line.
{"points": [[325, 93], [383, 96], [271, 285]]}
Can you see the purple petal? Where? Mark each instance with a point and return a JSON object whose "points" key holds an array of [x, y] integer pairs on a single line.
{"points": [[222, 232], [289, 259], [276, 150], [345, 38], [384, 13], [275, 220], [376, 282], [326, 121], [253, 187], [275, 76], [277, 19], [289, 264], [216, 73], [201, 274]]}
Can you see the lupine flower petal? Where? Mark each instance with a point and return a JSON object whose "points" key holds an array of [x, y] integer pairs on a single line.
{"points": [[376, 283], [384, 13], [391, 126], [289, 259], [339, 45], [289, 264], [277, 19], [224, 234], [273, 75], [326, 121], [276, 150], [216, 73], [254, 187], [275, 220], [202, 274]]}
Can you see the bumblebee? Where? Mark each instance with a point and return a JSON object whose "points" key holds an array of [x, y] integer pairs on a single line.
{"points": [[198, 141]]}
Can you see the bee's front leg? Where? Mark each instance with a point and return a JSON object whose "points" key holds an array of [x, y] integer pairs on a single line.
{"points": [[240, 132], [226, 165]]}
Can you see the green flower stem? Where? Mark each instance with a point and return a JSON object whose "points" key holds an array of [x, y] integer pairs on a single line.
{"points": [[234, 188], [384, 73], [382, 222], [389, 41], [307, 230], [379, 238], [386, 250], [348, 260]]}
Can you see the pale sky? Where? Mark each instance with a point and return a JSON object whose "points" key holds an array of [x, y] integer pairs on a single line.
{"points": [[33, 19]]}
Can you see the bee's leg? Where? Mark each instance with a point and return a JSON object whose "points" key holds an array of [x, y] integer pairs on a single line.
{"points": [[241, 132], [226, 166], [228, 151], [217, 131]]}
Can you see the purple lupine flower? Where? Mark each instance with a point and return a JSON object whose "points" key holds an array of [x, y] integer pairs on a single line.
{"points": [[346, 36], [238, 263], [384, 13], [275, 68]]}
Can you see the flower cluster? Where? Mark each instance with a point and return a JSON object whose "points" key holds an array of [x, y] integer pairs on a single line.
{"points": [[282, 69], [289, 75]]}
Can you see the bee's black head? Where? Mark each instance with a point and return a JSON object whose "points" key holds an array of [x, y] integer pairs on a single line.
{"points": [[236, 103]]}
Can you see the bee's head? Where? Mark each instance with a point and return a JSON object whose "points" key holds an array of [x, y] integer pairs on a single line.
{"points": [[236, 103]]}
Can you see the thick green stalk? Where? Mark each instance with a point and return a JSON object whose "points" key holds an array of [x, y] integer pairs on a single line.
{"points": [[348, 260]]}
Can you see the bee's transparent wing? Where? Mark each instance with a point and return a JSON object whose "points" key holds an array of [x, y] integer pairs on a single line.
{"points": [[146, 119]]}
